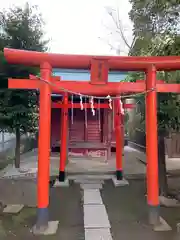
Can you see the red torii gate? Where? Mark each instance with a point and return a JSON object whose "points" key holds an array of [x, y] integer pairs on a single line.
{"points": [[98, 86]]}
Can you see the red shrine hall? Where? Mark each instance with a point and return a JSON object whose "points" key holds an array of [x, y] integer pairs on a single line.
{"points": [[98, 128], [90, 134]]}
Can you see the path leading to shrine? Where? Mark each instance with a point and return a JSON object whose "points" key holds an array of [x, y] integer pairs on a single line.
{"points": [[85, 211], [89, 207]]}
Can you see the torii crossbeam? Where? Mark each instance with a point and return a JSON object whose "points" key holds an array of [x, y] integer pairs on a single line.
{"points": [[99, 86]]}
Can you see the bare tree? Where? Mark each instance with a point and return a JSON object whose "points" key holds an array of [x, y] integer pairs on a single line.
{"points": [[118, 35]]}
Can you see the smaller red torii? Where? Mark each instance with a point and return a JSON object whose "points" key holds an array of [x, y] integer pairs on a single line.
{"points": [[88, 105]]}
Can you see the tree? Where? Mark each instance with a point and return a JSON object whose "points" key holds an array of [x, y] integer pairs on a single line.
{"points": [[21, 28], [156, 29], [155, 32], [118, 33], [155, 17]]}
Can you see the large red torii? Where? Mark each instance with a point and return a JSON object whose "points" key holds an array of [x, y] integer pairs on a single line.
{"points": [[32, 58], [99, 85]]}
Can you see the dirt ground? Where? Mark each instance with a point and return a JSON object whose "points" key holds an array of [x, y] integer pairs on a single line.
{"points": [[65, 206], [128, 213], [126, 208]]}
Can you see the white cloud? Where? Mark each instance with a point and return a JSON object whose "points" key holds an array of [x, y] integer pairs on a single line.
{"points": [[74, 26]]}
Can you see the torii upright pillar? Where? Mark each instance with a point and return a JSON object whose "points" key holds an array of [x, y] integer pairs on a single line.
{"points": [[152, 146], [64, 137], [44, 148], [119, 142]]}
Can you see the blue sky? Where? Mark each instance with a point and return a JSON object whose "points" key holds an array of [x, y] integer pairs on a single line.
{"points": [[75, 26]]}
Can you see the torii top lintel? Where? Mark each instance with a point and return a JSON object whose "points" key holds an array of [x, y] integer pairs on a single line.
{"points": [[32, 58]]}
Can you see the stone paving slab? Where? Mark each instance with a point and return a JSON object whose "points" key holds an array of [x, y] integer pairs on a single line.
{"points": [[50, 230], [91, 177], [168, 202], [120, 183], [162, 227], [91, 186], [89, 181], [98, 234], [92, 196], [13, 208], [62, 184], [95, 216]]}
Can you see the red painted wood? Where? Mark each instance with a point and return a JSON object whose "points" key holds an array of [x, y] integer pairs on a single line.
{"points": [[87, 88], [23, 84], [33, 58], [118, 135], [99, 71], [83, 87], [88, 105], [76, 131], [168, 88], [54, 79], [64, 134], [152, 140], [55, 127], [44, 139], [93, 132]]}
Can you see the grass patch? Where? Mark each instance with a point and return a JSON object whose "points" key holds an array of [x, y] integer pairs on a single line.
{"points": [[6, 162], [2, 230], [25, 218]]}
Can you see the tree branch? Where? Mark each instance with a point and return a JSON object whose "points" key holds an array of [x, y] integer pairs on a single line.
{"points": [[119, 29], [119, 26], [111, 45]]}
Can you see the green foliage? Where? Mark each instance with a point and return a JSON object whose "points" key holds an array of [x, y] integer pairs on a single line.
{"points": [[155, 17], [133, 76], [21, 28], [156, 28]]}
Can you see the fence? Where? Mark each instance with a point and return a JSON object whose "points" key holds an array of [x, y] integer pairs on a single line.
{"points": [[172, 143], [6, 140]]}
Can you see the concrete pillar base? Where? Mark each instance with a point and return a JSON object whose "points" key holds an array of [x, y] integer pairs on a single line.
{"points": [[154, 216], [42, 220], [50, 229]]}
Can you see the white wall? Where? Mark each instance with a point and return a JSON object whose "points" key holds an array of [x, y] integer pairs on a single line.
{"points": [[6, 137]]}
